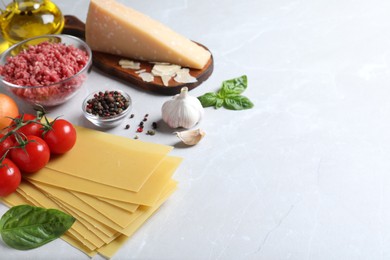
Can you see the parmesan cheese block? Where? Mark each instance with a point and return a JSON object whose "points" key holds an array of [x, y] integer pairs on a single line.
{"points": [[114, 28]]}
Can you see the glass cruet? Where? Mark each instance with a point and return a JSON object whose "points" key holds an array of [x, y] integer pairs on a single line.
{"points": [[23, 19]]}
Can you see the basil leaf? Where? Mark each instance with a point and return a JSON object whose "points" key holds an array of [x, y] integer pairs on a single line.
{"points": [[219, 103], [26, 227], [237, 103], [208, 99], [233, 86], [229, 95]]}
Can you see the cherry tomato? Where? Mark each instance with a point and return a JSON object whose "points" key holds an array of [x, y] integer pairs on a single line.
{"points": [[5, 145], [10, 177], [31, 128], [61, 137], [8, 108], [32, 156]]}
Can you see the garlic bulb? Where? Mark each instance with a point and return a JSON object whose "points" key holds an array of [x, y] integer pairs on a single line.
{"points": [[182, 110]]}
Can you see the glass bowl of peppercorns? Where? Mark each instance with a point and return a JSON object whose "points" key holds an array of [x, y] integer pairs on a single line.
{"points": [[107, 108]]}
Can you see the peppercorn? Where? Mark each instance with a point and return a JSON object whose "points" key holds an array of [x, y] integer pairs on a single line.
{"points": [[132, 115], [127, 126], [151, 132], [140, 129], [107, 104], [154, 125]]}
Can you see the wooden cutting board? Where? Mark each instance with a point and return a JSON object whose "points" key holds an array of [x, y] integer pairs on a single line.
{"points": [[109, 64]]}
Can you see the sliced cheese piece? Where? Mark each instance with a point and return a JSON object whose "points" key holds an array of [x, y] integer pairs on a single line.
{"points": [[112, 27], [146, 76], [129, 64], [165, 69], [183, 76], [113, 160], [148, 195], [165, 79]]}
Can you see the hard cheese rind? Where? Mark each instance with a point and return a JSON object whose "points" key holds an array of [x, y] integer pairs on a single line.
{"points": [[114, 28]]}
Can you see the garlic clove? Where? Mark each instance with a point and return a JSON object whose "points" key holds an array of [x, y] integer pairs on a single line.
{"points": [[191, 137]]}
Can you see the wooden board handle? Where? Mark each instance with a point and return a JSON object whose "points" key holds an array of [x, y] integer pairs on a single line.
{"points": [[73, 26]]}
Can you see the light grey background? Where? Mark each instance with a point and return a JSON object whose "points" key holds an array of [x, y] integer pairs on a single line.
{"points": [[304, 174]]}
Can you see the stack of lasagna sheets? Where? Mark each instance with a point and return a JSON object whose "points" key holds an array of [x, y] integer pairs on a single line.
{"points": [[110, 184]]}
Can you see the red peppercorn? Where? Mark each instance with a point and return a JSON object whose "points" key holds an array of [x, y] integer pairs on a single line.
{"points": [[140, 129]]}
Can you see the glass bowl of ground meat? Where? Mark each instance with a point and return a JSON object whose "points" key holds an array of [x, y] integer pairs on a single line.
{"points": [[47, 70]]}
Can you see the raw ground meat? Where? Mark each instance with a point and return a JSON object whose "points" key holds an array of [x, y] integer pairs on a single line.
{"points": [[44, 64]]}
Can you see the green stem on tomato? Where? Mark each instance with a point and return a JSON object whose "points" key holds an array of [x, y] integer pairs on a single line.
{"points": [[19, 122]]}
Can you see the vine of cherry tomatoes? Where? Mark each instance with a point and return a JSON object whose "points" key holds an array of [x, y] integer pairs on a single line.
{"points": [[27, 144]]}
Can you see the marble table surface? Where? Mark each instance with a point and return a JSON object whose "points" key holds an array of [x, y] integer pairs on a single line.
{"points": [[305, 174]]}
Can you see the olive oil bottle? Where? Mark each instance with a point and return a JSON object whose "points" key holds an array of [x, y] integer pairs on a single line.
{"points": [[25, 19], [4, 45]]}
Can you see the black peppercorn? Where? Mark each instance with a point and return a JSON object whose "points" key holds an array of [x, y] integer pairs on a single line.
{"points": [[107, 104]]}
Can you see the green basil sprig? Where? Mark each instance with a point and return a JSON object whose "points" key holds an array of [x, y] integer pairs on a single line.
{"points": [[26, 227], [229, 95]]}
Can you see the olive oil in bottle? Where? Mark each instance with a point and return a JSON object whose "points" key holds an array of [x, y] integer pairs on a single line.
{"points": [[25, 19], [4, 45]]}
